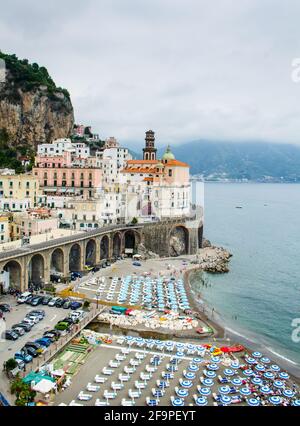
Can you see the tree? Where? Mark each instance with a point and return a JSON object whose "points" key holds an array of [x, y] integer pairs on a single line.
{"points": [[134, 221], [9, 365], [22, 391]]}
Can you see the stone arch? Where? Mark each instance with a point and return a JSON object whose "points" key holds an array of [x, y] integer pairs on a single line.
{"points": [[75, 258], [57, 261], [179, 241], [132, 240], [36, 269], [90, 253], [104, 247], [15, 274], [117, 244]]}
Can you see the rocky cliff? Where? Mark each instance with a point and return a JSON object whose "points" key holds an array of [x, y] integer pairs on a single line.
{"points": [[32, 109]]}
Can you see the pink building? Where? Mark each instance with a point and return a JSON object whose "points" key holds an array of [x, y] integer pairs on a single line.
{"points": [[58, 175]]}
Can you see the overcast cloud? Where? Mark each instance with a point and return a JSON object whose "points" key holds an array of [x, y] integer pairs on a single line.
{"points": [[188, 69]]}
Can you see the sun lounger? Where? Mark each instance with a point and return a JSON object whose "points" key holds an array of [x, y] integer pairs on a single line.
{"points": [[100, 379], [134, 363], [75, 404], [114, 364], [124, 378], [223, 380], [109, 395], [152, 402], [100, 403], [127, 403], [140, 385], [129, 370], [92, 388], [107, 371], [84, 396], [117, 386], [140, 355], [125, 351], [134, 394], [120, 357], [145, 376], [150, 369]]}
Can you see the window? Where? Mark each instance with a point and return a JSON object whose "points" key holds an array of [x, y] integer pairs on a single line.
{"points": [[170, 173]]}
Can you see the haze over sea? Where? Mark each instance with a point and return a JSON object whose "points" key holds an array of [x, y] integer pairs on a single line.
{"points": [[260, 296]]}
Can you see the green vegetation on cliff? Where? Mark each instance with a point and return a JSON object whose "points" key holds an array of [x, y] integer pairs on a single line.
{"points": [[30, 76], [9, 156]]}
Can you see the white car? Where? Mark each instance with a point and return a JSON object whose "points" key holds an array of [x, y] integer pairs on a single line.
{"points": [[33, 318], [77, 315], [29, 321], [24, 297]]}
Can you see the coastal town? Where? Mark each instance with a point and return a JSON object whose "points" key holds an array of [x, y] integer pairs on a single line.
{"points": [[96, 256]]}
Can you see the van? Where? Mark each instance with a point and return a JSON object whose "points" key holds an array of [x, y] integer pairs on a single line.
{"points": [[24, 297]]}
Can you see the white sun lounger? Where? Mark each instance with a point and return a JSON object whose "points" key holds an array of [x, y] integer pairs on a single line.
{"points": [[140, 385], [127, 403], [124, 378], [145, 376], [109, 395], [120, 357], [100, 379], [134, 362], [125, 351], [116, 386], [100, 403], [92, 388], [114, 364], [129, 370], [75, 404], [107, 371], [134, 394], [150, 369], [84, 396]]}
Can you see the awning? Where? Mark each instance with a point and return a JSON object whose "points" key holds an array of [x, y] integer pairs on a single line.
{"points": [[44, 386]]}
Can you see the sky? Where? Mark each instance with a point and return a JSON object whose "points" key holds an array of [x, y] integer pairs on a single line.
{"points": [[187, 69]]}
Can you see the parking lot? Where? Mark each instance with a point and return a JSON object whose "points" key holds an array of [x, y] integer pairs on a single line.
{"points": [[17, 314]]}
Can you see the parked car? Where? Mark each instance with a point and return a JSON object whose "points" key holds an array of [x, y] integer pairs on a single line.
{"points": [[88, 267], [75, 305], [55, 278], [39, 313], [62, 326], [137, 264], [19, 330], [44, 341], [24, 297], [96, 269], [23, 356], [46, 300], [38, 348], [29, 321], [33, 318], [5, 307], [52, 335], [68, 320], [78, 315], [26, 325], [11, 335], [75, 275], [59, 303], [21, 364], [29, 299], [35, 301], [53, 301], [31, 351], [67, 304]]}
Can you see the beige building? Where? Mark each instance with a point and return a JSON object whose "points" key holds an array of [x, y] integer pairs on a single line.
{"points": [[4, 229], [19, 192]]}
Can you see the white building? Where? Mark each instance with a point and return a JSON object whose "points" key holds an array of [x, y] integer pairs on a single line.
{"points": [[60, 146]]}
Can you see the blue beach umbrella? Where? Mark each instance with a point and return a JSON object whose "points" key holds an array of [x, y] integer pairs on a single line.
{"points": [[213, 367], [182, 393], [257, 381], [210, 374], [248, 372], [215, 359], [275, 400], [257, 355], [284, 375], [178, 402], [189, 375], [275, 367], [201, 401], [265, 390], [229, 372], [253, 402], [288, 393], [205, 391], [225, 399], [225, 390], [186, 384], [208, 382], [193, 367], [179, 354], [191, 347], [251, 360], [278, 384], [265, 360], [180, 345], [235, 365], [245, 391], [236, 382], [197, 360], [260, 367], [296, 403], [269, 375]]}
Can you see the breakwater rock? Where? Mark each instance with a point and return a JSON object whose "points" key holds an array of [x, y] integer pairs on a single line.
{"points": [[214, 259]]}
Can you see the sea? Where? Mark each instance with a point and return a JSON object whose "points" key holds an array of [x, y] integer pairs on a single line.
{"points": [[258, 301]]}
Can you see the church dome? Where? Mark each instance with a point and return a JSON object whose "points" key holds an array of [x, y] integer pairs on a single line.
{"points": [[168, 155]]}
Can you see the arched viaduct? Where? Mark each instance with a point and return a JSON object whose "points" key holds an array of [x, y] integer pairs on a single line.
{"points": [[35, 263]]}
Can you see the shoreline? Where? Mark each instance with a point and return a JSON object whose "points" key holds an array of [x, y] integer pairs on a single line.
{"points": [[224, 332]]}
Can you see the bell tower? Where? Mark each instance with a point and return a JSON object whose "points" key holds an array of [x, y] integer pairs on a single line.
{"points": [[150, 151]]}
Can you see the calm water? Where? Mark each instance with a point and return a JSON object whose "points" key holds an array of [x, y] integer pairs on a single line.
{"points": [[260, 297]]}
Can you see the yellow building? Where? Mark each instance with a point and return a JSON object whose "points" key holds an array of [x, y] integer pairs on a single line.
{"points": [[19, 192], [4, 229]]}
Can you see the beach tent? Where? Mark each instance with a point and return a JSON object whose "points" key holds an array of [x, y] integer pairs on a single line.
{"points": [[44, 386], [36, 378]]}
